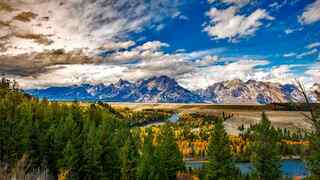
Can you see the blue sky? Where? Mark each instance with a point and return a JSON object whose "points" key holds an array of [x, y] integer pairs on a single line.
{"points": [[197, 42], [283, 35]]}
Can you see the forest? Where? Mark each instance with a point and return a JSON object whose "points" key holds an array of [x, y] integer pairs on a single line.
{"points": [[51, 140]]}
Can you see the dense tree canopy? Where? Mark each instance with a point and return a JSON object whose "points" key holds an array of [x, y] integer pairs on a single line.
{"points": [[221, 164], [265, 155]]}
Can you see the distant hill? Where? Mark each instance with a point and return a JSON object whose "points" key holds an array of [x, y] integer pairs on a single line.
{"points": [[163, 89]]}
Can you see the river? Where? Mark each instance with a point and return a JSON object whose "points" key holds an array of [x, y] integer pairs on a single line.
{"points": [[289, 168]]}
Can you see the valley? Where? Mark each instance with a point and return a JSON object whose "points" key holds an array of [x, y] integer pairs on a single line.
{"points": [[242, 114]]}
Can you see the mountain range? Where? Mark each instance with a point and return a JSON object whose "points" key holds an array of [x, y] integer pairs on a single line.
{"points": [[163, 89]]}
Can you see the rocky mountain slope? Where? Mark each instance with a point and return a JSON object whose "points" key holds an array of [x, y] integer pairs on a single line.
{"points": [[166, 90], [156, 89], [250, 92]]}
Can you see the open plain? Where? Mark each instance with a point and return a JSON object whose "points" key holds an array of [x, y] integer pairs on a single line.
{"points": [[241, 114]]}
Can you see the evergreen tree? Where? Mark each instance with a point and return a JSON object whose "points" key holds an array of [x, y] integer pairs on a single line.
{"points": [[70, 141], [265, 157], [110, 129], [221, 163], [128, 159], [313, 159], [91, 152], [70, 157], [168, 155], [147, 169]]}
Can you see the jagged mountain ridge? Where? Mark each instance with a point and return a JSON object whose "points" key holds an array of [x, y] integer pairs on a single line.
{"points": [[156, 89], [251, 92], [163, 89]]}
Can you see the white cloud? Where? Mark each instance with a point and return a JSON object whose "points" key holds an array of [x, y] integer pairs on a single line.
{"points": [[290, 31], [149, 60], [66, 75], [118, 45], [236, 2], [313, 45], [148, 50], [192, 70], [311, 13], [207, 60], [243, 69], [308, 53], [304, 54], [153, 45], [278, 5], [291, 54], [312, 75], [228, 24], [160, 27]]}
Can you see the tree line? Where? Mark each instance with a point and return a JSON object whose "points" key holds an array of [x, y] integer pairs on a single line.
{"points": [[80, 143]]}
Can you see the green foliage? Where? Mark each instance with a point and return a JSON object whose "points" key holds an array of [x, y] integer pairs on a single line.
{"points": [[129, 159], [86, 142], [169, 159], [221, 165], [146, 169], [313, 158], [83, 141], [265, 155]]}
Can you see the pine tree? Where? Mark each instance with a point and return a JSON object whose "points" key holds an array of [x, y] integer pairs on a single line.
{"points": [[91, 153], [128, 159], [70, 157], [265, 157], [146, 169], [110, 162], [313, 159], [221, 163], [168, 155]]}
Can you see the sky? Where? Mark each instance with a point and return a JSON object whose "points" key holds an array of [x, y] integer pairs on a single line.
{"points": [[47, 43]]}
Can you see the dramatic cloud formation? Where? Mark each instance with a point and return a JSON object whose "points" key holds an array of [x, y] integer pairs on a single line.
{"points": [[49, 42], [33, 64], [78, 24], [228, 24], [311, 13]]}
